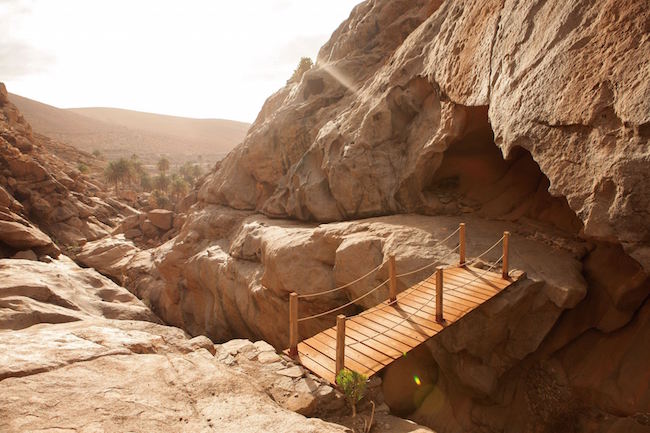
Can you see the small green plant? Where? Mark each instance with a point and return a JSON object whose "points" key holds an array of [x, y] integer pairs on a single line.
{"points": [[83, 168], [353, 385], [97, 153]]}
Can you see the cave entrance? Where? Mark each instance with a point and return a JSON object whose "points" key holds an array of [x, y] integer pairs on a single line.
{"points": [[474, 177]]}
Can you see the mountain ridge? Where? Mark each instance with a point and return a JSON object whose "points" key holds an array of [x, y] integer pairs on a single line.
{"points": [[118, 132]]}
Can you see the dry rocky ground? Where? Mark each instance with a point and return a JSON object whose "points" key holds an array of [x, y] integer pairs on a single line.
{"points": [[526, 116]]}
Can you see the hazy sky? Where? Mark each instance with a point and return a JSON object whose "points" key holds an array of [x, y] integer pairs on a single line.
{"points": [[196, 58]]}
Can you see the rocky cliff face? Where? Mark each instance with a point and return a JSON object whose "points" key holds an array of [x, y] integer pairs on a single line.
{"points": [[43, 195], [528, 116], [412, 101]]}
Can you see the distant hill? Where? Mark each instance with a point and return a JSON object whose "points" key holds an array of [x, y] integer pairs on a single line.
{"points": [[116, 132]]}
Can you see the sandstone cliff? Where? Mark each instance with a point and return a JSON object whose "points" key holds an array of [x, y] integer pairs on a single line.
{"points": [[412, 101]]}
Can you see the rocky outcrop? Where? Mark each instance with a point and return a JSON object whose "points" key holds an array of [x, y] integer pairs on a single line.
{"points": [[228, 268], [412, 105], [151, 229], [76, 350], [18, 234], [41, 186]]}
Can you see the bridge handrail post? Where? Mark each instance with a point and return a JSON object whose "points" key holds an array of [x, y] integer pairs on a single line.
{"points": [[461, 251], [392, 273], [340, 343], [293, 324], [506, 251], [439, 314]]}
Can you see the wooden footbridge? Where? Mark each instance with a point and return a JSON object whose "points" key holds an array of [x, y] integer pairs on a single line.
{"points": [[373, 339]]}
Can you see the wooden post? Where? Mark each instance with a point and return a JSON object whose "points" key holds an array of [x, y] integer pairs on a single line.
{"points": [[293, 324], [506, 247], [461, 251], [439, 316], [392, 273], [340, 343]]}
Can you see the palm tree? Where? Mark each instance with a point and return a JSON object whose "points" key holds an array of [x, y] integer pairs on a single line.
{"points": [[163, 165], [179, 187], [119, 171], [145, 181], [127, 170], [112, 175], [196, 171], [160, 199], [161, 182]]}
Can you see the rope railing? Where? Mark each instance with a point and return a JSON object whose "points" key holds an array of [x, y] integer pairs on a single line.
{"points": [[294, 320], [410, 316], [345, 286], [354, 301], [476, 259], [416, 271], [316, 316], [376, 268], [385, 307]]}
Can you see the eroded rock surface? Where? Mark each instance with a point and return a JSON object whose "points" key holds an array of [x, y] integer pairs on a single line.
{"points": [[79, 353], [411, 104], [227, 268], [41, 186], [526, 116]]}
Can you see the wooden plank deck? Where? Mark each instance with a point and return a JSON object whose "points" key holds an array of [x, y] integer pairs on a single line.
{"points": [[384, 333]]}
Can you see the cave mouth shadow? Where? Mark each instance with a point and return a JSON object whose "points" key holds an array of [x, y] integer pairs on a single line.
{"points": [[474, 177]]}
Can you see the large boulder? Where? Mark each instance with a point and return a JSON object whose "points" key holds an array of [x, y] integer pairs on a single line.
{"points": [[22, 236], [161, 218]]}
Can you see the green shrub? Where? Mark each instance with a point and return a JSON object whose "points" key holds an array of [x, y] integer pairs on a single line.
{"points": [[353, 385]]}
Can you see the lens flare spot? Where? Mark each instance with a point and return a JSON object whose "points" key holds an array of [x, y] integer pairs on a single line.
{"points": [[417, 380]]}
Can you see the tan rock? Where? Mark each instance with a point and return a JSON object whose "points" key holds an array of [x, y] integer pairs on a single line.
{"points": [[94, 367], [62, 292], [4, 96], [132, 234], [302, 403], [110, 255], [161, 218], [25, 255], [149, 229], [22, 236], [6, 199]]}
